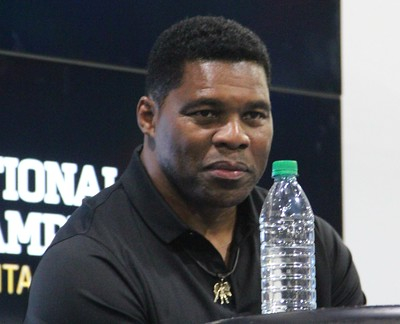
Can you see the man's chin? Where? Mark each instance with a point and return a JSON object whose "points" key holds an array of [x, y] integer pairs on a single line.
{"points": [[226, 200]]}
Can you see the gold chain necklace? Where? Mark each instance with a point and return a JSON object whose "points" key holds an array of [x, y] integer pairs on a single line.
{"points": [[222, 288]]}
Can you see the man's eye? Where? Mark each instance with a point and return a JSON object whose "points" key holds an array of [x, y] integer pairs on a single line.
{"points": [[255, 115], [205, 114]]}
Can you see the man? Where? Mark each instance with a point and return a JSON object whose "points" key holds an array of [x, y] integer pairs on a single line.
{"points": [[176, 239]]}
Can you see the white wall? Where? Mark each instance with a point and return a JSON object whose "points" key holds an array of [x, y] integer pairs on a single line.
{"points": [[370, 143]]}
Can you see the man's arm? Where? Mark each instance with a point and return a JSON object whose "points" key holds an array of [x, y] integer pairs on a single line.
{"points": [[79, 281], [345, 282]]}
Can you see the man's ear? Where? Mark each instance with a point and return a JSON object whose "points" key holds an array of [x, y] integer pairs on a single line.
{"points": [[146, 114]]}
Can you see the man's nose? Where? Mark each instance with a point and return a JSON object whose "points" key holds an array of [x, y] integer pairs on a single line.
{"points": [[232, 134]]}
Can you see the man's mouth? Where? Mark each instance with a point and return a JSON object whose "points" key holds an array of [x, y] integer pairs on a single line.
{"points": [[227, 170]]}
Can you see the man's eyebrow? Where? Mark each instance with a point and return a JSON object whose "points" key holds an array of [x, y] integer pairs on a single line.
{"points": [[259, 104], [218, 104]]}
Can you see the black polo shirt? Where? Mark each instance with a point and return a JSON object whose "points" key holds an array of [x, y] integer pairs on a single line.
{"points": [[124, 256]]}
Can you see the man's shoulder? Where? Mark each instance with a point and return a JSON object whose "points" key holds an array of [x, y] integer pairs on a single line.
{"points": [[327, 235], [83, 218], [325, 229]]}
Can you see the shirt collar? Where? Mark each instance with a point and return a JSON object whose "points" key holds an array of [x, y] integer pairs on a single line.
{"points": [[148, 202]]}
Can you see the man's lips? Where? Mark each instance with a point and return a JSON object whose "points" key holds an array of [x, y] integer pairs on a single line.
{"points": [[227, 169]]}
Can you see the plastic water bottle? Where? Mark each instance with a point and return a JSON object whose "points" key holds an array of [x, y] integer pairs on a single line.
{"points": [[287, 244]]}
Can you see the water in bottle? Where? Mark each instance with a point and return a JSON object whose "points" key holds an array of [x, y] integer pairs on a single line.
{"points": [[287, 244]]}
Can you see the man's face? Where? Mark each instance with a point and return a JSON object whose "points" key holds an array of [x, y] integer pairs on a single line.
{"points": [[213, 134]]}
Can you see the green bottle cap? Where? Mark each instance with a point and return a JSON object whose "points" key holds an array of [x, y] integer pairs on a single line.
{"points": [[284, 167]]}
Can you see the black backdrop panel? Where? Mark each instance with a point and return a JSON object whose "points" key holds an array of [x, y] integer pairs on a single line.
{"points": [[63, 111], [302, 35]]}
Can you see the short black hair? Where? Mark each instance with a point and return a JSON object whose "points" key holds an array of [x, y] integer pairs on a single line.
{"points": [[200, 38]]}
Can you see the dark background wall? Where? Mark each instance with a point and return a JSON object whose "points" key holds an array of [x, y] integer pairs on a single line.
{"points": [[72, 71]]}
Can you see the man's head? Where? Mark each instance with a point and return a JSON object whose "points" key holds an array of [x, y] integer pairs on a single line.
{"points": [[207, 117], [200, 38]]}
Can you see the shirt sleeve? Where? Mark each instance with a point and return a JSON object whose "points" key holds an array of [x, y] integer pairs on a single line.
{"points": [[80, 282], [345, 282]]}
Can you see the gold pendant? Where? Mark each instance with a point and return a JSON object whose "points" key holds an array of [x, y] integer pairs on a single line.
{"points": [[222, 292]]}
